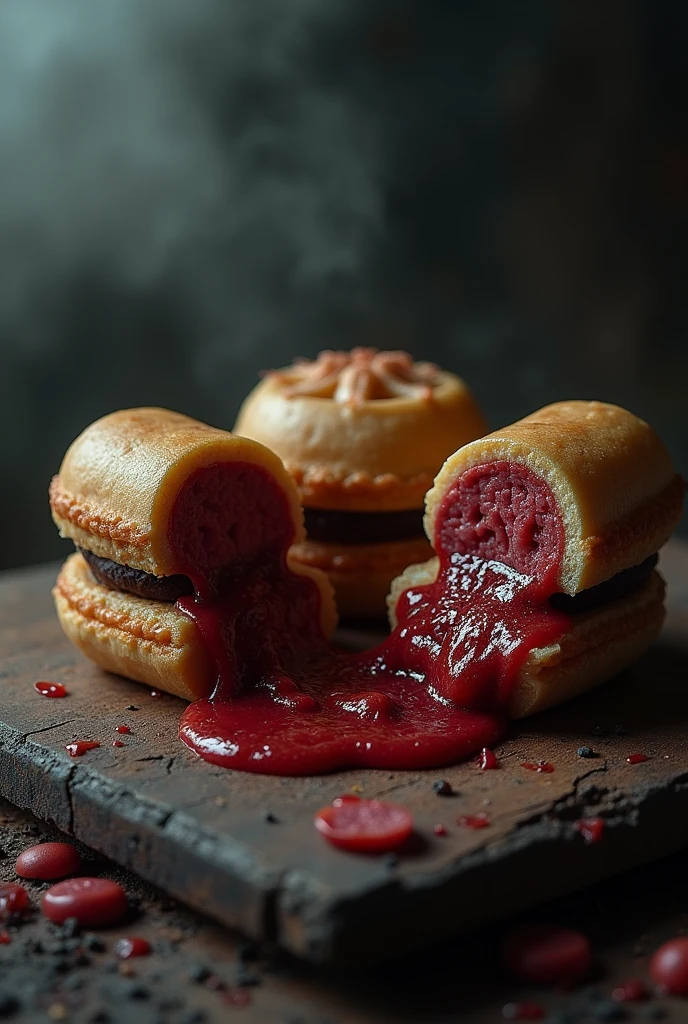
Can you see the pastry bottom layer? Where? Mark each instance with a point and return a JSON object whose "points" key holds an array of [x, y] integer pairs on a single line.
{"points": [[149, 641], [599, 644], [361, 574]]}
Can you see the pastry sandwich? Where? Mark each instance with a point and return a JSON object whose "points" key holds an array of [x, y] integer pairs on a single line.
{"points": [[158, 506], [363, 434], [577, 498]]}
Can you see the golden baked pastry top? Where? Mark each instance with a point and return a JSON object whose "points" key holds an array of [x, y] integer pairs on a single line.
{"points": [[361, 430]]}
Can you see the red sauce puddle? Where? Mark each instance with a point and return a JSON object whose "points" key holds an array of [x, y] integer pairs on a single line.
{"points": [[433, 693], [538, 766], [50, 689], [637, 758]]}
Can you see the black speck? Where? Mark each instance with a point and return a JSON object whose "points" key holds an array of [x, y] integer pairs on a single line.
{"points": [[83, 960], [61, 966], [131, 707], [391, 860], [139, 992], [607, 1010], [443, 787], [4, 854], [586, 752], [248, 951], [93, 943], [198, 973], [271, 818], [133, 842]]}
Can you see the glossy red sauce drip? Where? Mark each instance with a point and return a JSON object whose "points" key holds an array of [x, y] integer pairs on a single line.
{"points": [[13, 899], [124, 729], [364, 826], [92, 901], [79, 747], [637, 758], [592, 829], [51, 689], [133, 945], [538, 766], [48, 861], [117, 743], [487, 760], [480, 820], [440, 830], [435, 692]]}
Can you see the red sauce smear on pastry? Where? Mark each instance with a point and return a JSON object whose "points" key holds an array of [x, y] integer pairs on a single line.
{"points": [[474, 821], [637, 758], [50, 689], [433, 693], [13, 899]]}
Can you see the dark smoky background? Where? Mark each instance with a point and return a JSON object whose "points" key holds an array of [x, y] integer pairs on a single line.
{"points": [[195, 190]]}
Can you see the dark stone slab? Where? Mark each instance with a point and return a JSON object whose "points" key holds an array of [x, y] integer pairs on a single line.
{"points": [[204, 834]]}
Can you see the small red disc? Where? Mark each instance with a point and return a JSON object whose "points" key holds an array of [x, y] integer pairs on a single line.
{"points": [[546, 954], [364, 826], [48, 861], [92, 901], [132, 945], [669, 967]]}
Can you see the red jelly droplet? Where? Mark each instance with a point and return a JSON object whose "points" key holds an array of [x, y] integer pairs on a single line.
{"points": [[440, 830], [92, 901], [132, 946], [117, 743], [487, 759], [592, 829], [124, 729], [474, 820], [546, 954], [48, 861], [669, 967], [155, 693], [538, 766], [523, 1011], [633, 990], [79, 747], [638, 758], [51, 689], [5, 938], [365, 826], [13, 899]]}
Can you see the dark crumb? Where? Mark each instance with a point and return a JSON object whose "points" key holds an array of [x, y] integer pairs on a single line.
{"points": [[586, 752], [271, 818], [442, 787], [131, 707], [4, 854], [248, 951], [391, 860], [139, 992], [607, 1010], [70, 927], [9, 1004], [93, 943], [198, 973]]}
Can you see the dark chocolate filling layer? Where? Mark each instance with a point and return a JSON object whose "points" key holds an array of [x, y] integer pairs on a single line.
{"points": [[134, 581], [362, 527], [619, 586]]}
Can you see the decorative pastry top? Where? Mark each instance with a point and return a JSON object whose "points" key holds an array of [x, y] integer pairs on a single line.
{"points": [[361, 431], [610, 475], [362, 375]]}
